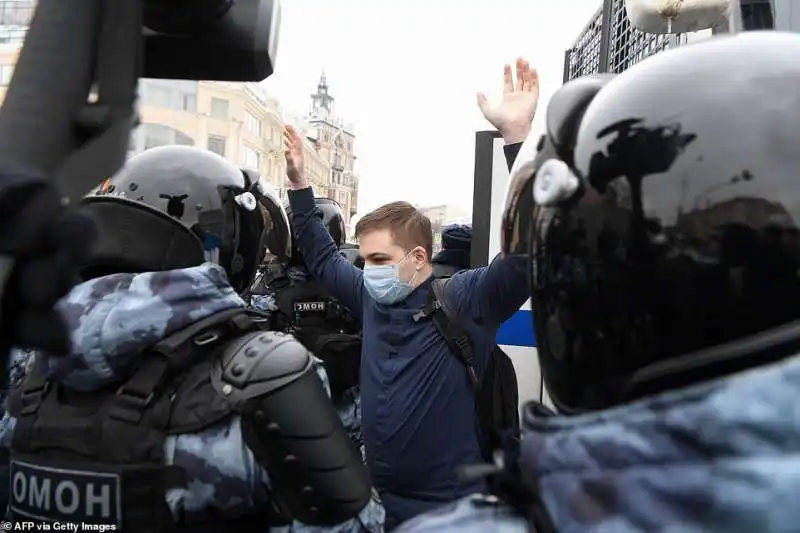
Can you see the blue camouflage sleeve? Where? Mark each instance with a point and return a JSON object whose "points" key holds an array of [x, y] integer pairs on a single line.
{"points": [[18, 365], [474, 514]]}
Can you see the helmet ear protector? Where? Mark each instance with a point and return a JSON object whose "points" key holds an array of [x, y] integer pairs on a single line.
{"points": [[278, 234], [237, 234]]}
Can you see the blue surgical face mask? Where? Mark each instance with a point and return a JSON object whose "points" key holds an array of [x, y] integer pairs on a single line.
{"points": [[383, 283]]}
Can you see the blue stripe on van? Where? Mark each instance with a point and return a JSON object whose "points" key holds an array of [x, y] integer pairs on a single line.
{"points": [[517, 330]]}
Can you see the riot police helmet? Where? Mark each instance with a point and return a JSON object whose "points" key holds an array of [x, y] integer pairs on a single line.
{"points": [[333, 219], [176, 207], [659, 212], [278, 241]]}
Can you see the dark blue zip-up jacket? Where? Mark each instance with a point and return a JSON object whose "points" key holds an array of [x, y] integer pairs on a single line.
{"points": [[418, 410]]}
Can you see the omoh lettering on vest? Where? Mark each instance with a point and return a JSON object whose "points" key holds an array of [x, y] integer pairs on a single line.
{"points": [[58, 494], [305, 307]]}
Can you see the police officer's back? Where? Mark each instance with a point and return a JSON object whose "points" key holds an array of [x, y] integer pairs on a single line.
{"points": [[176, 408], [677, 398]]}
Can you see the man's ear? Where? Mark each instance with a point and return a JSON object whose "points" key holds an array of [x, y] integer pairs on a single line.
{"points": [[420, 256]]}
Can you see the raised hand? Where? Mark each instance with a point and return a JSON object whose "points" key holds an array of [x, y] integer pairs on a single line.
{"points": [[513, 116], [295, 164]]}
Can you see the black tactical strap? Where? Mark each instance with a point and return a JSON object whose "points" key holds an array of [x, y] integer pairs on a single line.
{"points": [[173, 354], [33, 389], [454, 335]]}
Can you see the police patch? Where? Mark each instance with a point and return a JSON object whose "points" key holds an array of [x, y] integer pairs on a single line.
{"points": [[58, 494], [309, 307]]}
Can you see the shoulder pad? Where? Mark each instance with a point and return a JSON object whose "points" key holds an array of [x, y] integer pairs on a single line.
{"points": [[258, 363]]}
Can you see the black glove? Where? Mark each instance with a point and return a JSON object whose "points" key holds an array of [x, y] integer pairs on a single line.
{"points": [[48, 244]]}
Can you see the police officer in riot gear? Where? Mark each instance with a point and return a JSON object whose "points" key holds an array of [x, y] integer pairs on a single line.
{"points": [[177, 408], [648, 211], [327, 328]]}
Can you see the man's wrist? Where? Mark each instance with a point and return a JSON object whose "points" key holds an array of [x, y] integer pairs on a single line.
{"points": [[515, 134], [299, 182]]}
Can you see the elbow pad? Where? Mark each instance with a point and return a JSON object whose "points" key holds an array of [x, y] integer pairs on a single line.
{"points": [[293, 429]]}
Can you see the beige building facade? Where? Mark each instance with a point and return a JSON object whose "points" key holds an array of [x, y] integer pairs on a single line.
{"points": [[334, 140], [239, 122]]}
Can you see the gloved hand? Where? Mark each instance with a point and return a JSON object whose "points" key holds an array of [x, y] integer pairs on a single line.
{"points": [[48, 243]]}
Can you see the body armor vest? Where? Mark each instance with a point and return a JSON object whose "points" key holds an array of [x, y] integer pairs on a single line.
{"points": [[326, 327], [98, 457]]}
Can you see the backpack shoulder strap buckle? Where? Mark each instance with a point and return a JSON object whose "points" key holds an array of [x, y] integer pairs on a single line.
{"points": [[432, 304], [133, 398]]}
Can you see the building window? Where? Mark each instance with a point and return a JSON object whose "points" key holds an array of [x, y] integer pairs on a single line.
{"points": [[160, 135], [6, 71], [157, 96], [216, 144], [250, 158], [16, 13], [132, 141], [219, 108], [757, 15], [252, 124], [189, 102], [12, 35], [170, 94]]}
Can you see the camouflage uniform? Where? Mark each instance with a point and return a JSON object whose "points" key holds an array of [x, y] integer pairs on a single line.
{"points": [[720, 457], [113, 319]]}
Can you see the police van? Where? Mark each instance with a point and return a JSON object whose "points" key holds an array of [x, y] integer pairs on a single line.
{"points": [[516, 336]]}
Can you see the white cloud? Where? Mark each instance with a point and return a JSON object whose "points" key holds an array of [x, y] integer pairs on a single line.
{"points": [[406, 74]]}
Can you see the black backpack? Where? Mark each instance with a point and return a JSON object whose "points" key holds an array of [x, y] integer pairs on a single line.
{"points": [[496, 392]]}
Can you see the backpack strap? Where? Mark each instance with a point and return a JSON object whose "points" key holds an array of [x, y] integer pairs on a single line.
{"points": [[446, 322], [441, 270]]}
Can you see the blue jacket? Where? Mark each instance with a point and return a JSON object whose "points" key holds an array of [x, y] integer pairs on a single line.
{"points": [[113, 319], [418, 408], [719, 457]]}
